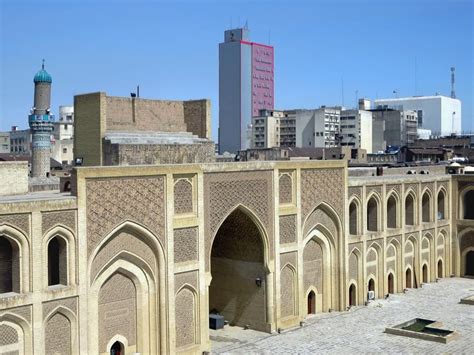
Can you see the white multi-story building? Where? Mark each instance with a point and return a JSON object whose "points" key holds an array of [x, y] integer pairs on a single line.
{"points": [[4, 142], [274, 129], [20, 141], [440, 114], [318, 128], [356, 129], [63, 136]]}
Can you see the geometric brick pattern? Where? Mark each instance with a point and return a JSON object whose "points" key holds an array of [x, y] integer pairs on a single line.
{"points": [[58, 335], [287, 290], [319, 216], [225, 191], [185, 244], [322, 185], [64, 218], [183, 196], [8, 335], [185, 318], [287, 229], [286, 188], [114, 200], [69, 303], [19, 221]]}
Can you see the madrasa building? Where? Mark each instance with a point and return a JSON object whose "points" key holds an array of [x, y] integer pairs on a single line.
{"points": [[151, 235]]}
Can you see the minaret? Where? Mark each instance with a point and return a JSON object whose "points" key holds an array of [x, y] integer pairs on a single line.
{"points": [[41, 124]]}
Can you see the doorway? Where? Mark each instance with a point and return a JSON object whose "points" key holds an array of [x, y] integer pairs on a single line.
{"points": [[311, 303]]}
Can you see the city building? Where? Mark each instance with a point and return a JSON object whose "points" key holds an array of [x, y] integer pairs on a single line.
{"points": [[63, 136], [440, 114], [356, 129], [399, 128], [274, 129], [246, 86], [4, 142], [319, 128], [134, 131], [20, 141]]}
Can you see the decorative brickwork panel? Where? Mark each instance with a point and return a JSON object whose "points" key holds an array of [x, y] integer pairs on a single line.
{"points": [[372, 270], [443, 184], [371, 255], [117, 310], [23, 312], [58, 335], [112, 201], [396, 188], [185, 244], [289, 258], [374, 189], [430, 187], [69, 303], [353, 267], [183, 196], [467, 241], [226, 191], [287, 229], [322, 185], [313, 266], [186, 278], [64, 218], [413, 187], [320, 217], [286, 188], [287, 292], [391, 265], [19, 221], [8, 335], [391, 251], [123, 242], [355, 191], [185, 318]]}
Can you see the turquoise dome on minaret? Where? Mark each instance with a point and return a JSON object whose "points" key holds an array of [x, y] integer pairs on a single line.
{"points": [[42, 76]]}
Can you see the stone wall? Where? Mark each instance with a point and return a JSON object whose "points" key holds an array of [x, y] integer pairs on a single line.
{"points": [[14, 178], [197, 116], [150, 154]]}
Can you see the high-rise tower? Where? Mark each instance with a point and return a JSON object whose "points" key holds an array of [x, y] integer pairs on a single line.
{"points": [[41, 124], [245, 87]]}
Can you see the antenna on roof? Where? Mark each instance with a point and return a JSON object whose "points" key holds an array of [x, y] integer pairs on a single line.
{"points": [[246, 24], [42, 65], [453, 93]]}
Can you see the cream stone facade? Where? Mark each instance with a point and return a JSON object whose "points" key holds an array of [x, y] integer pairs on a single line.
{"points": [[137, 256]]}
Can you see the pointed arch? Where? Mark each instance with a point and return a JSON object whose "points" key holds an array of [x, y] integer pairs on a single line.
{"points": [[355, 272], [150, 286], [393, 209], [354, 215], [19, 323], [72, 319], [186, 316], [20, 257], [466, 202], [426, 205], [411, 216], [68, 254], [288, 291], [373, 212], [442, 204]]}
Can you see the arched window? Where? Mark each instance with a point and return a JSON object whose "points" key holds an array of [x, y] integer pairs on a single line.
{"points": [[57, 261], [371, 286], [392, 212], [353, 218], [9, 266], [426, 207], [441, 206], [372, 215], [468, 205], [410, 210]]}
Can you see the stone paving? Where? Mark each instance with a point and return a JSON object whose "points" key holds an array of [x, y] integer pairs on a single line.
{"points": [[361, 330]]}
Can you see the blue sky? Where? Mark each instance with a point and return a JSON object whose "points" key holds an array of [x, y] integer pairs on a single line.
{"points": [[170, 48]]}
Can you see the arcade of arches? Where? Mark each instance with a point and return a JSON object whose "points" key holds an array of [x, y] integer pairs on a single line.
{"points": [[137, 258]]}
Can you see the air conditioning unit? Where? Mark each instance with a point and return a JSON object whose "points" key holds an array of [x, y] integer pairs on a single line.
{"points": [[371, 295]]}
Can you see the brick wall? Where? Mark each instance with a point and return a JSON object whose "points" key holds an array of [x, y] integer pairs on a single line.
{"points": [[14, 178], [197, 116]]}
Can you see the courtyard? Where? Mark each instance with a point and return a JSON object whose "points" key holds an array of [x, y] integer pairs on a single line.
{"points": [[361, 329]]}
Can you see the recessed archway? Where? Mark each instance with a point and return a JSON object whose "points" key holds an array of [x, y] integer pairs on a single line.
{"points": [[373, 214], [410, 209], [371, 285], [311, 302], [425, 273], [390, 283], [426, 207], [392, 212], [117, 348], [468, 204], [238, 287], [408, 283], [440, 268], [469, 263], [352, 295]]}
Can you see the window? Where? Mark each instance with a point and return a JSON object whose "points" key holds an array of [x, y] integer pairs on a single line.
{"points": [[353, 218], [392, 212], [372, 215], [426, 207], [410, 210], [64, 150], [9, 266], [57, 261], [468, 205], [441, 205]]}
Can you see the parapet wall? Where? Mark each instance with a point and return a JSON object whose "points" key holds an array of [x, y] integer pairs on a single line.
{"points": [[14, 178]]}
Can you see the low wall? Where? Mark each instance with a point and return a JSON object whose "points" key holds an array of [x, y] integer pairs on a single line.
{"points": [[13, 177]]}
